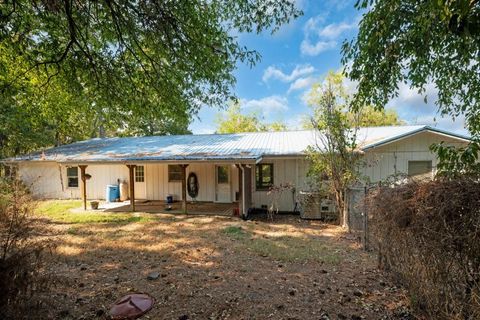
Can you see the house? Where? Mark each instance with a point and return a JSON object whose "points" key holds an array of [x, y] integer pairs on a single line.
{"points": [[229, 167]]}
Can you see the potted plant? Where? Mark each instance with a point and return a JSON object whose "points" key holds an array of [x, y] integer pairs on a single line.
{"points": [[94, 205]]}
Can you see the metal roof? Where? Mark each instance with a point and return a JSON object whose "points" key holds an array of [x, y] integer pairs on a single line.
{"points": [[211, 147]]}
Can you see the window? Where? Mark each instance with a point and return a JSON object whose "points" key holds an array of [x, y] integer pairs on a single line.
{"points": [[222, 174], [174, 173], [264, 176], [420, 169], [72, 177], [139, 174]]}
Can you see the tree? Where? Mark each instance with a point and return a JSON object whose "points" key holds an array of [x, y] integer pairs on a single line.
{"points": [[123, 63], [233, 121], [333, 159], [419, 43], [368, 116]]}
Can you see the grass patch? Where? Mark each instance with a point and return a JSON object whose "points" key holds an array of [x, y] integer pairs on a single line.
{"points": [[292, 249], [59, 210], [286, 249], [237, 233]]}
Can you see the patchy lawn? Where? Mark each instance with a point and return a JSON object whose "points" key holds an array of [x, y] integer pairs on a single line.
{"points": [[213, 267]]}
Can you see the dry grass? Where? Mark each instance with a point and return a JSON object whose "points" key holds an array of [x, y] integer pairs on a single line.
{"points": [[218, 268]]}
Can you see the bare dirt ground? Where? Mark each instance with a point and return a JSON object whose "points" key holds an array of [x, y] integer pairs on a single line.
{"points": [[219, 268]]}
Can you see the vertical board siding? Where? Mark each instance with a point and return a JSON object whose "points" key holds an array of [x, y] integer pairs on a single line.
{"points": [[284, 171], [384, 161], [49, 180]]}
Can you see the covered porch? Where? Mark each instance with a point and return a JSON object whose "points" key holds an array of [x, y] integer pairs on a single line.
{"points": [[204, 187]]}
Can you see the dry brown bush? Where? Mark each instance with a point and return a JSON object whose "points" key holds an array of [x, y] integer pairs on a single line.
{"points": [[23, 244], [428, 236]]}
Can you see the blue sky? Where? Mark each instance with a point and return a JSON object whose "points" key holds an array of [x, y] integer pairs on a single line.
{"points": [[300, 54]]}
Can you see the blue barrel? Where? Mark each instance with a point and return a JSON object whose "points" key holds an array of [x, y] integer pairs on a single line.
{"points": [[113, 193], [169, 198]]}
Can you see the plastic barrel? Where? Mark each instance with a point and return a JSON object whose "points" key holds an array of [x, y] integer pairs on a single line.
{"points": [[169, 198], [113, 193]]}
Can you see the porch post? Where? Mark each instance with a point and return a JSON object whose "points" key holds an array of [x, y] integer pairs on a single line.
{"points": [[184, 187], [247, 188], [240, 189], [131, 171], [84, 185]]}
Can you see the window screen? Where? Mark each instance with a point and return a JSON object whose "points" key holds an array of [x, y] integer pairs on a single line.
{"points": [[264, 176], [72, 177], [222, 174], [174, 173], [420, 169]]}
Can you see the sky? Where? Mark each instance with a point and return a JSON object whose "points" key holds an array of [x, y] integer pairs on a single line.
{"points": [[300, 54]]}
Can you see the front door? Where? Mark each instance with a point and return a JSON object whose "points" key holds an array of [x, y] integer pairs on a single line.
{"points": [[222, 184], [140, 191]]}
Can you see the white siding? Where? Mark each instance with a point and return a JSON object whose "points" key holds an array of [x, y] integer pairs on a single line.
{"points": [[292, 171], [49, 180], [393, 158], [158, 187]]}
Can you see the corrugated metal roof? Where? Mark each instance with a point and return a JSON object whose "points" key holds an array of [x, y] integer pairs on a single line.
{"points": [[209, 147]]}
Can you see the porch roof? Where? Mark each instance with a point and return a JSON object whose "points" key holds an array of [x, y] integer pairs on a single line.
{"points": [[241, 147]]}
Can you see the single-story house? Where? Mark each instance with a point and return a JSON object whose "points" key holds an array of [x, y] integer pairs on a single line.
{"points": [[229, 167]]}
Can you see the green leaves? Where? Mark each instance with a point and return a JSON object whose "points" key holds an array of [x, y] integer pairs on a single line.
{"points": [[233, 121], [418, 43], [138, 67]]}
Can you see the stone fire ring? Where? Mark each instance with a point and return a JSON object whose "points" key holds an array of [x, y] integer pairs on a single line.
{"points": [[131, 306]]}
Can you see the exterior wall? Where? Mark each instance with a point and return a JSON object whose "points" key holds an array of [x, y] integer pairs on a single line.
{"points": [[158, 187], [48, 180], [284, 171], [393, 158]]}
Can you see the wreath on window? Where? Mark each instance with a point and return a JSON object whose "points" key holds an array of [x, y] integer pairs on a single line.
{"points": [[192, 185]]}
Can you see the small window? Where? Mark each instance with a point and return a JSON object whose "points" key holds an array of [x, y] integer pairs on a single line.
{"points": [[174, 173], [72, 177], [139, 174], [264, 176], [222, 174], [420, 169]]}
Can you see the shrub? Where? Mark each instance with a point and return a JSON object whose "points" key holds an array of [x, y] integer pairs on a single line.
{"points": [[428, 236], [21, 278]]}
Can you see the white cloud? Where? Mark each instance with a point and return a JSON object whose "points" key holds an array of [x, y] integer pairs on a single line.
{"points": [[275, 73], [319, 38], [309, 49], [267, 105], [334, 30], [302, 83]]}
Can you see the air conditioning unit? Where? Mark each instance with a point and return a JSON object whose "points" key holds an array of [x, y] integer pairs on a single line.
{"points": [[327, 206], [314, 206]]}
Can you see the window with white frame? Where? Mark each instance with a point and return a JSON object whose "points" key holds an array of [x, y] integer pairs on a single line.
{"points": [[420, 169], [139, 174], [72, 177]]}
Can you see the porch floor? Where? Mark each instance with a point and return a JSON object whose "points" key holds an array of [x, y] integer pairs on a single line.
{"points": [[157, 206]]}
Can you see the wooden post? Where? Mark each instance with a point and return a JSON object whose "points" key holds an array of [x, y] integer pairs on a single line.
{"points": [[131, 171], [184, 187], [240, 189], [84, 185]]}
